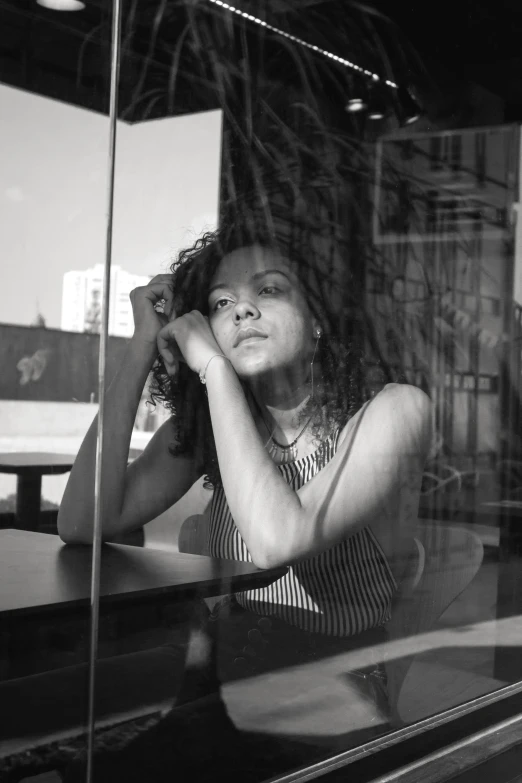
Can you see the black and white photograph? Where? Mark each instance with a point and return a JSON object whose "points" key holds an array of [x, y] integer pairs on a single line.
{"points": [[260, 391]]}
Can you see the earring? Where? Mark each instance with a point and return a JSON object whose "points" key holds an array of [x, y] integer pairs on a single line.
{"points": [[317, 334]]}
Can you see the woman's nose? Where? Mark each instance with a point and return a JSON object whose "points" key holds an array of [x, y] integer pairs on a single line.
{"points": [[245, 309]]}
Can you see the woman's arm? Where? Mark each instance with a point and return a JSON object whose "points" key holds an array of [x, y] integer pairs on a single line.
{"points": [[131, 496], [374, 477], [375, 472]]}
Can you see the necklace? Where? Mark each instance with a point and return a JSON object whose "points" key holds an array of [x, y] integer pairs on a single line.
{"points": [[279, 452], [282, 453], [276, 450]]}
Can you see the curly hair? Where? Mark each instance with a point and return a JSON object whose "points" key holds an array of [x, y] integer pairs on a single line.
{"points": [[338, 394]]}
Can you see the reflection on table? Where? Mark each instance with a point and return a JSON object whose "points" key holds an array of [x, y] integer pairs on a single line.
{"points": [[147, 600], [449, 658]]}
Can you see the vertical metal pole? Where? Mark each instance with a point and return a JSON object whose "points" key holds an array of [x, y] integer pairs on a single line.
{"points": [[221, 178], [506, 661], [475, 354], [102, 360]]}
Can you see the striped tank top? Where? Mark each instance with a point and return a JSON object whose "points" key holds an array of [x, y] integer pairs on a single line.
{"points": [[342, 591]]}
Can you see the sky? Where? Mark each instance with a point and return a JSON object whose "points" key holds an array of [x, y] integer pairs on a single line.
{"points": [[53, 196]]}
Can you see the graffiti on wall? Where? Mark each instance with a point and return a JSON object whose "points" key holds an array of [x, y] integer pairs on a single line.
{"points": [[32, 368], [50, 365]]}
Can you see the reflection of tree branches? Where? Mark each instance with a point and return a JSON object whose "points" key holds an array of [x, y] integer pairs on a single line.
{"points": [[442, 480], [447, 321], [289, 147], [393, 178], [271, 91], [438, 482], [510, 471], [158, 18], [88, 37]]}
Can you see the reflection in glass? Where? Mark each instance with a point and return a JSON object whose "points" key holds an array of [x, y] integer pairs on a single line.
{"points": [[53, 160], [360, 537]]}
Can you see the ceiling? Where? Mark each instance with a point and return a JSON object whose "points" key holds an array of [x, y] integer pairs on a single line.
{"points": [[475, 39], [67, 55]]}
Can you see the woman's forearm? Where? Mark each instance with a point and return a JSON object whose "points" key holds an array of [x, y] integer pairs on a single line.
{"points": [[373, 478], [258, 497], [76, 514]]}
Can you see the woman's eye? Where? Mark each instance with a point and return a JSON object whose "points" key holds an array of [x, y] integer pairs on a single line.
{"points": [[269, 289], [220, 303]]}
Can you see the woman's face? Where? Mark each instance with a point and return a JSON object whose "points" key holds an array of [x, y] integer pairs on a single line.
{"points": [[259, 315]]}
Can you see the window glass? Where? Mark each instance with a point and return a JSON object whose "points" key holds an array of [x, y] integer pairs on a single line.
{"points": [[310, 477], [54, 76]]}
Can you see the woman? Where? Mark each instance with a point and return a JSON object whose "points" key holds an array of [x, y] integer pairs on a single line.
{"points": [[268, 404]]}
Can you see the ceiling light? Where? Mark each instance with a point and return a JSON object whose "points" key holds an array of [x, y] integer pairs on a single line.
{"points": [[411, 110], [377, 105], [300, 41], [354, 105], [62, 5]]}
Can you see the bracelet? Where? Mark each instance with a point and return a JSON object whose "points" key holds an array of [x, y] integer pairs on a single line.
{"points": [[203, 373]]}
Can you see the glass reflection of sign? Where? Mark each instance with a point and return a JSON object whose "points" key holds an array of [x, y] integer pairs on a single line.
{"points": [[472, 383], [444, 185]]}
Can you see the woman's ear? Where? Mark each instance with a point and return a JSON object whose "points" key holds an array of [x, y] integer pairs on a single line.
{"points": [[318, 332]]}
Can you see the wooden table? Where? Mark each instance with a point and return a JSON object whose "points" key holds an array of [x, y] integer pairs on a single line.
{"points": [[39, 574], [29, 468], [45, 584], [45, 588]]}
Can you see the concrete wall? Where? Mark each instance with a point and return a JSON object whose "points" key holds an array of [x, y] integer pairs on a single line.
{"points": [[48, 364]]}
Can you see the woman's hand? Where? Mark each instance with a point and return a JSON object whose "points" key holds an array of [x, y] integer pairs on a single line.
{"points": [[190, 338], [147, 320]]}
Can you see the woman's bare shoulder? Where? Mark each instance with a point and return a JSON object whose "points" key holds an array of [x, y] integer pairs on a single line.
{"points": [[399, 409], [409, 398]]}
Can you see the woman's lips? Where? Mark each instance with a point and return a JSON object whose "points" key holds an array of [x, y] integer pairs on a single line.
{"points": [[247, 335], [256, 339]]}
